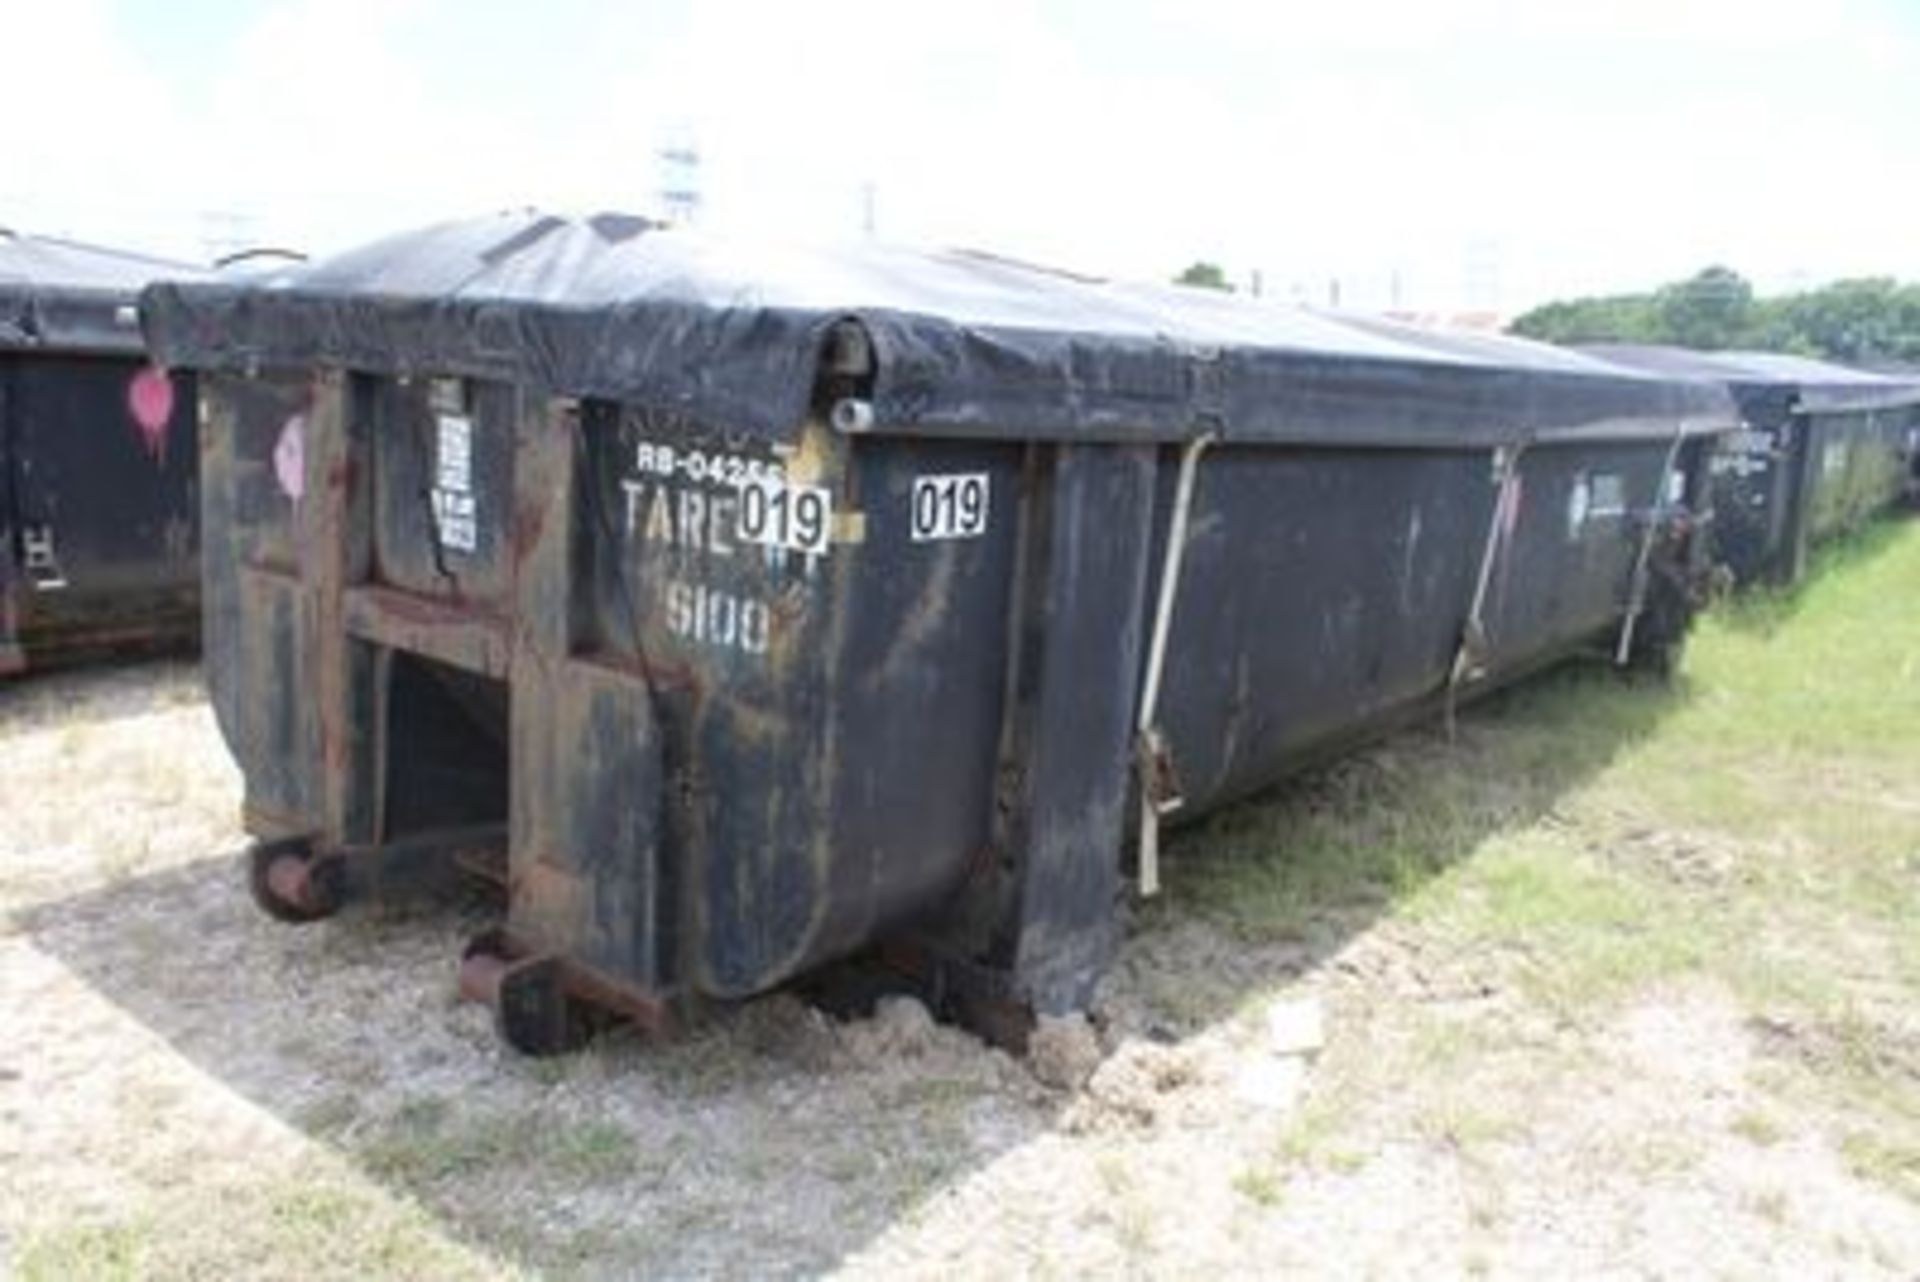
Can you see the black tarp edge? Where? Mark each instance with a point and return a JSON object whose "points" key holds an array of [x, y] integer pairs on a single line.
{"points": [[1769, 384], [1854, 400], [84, 321], [753, 370]]}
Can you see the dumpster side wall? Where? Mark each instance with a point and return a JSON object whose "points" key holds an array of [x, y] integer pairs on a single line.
{"points": [[894, 700], [1325, 590], [99, 498], [13, 586], [1856, 468]]}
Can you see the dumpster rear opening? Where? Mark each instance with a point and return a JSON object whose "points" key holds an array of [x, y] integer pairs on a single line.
{"points": [[446, 748]]}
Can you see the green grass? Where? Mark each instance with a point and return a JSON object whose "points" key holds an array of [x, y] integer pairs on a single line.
{"points": [[1259, 1186], [317, 1222], [94, 1252], [1754, 826], [1757, 1128], [428, 1142], [326, 1219], [1894, 1164]]}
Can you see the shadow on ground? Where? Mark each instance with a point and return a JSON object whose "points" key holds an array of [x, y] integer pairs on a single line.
{"points": [[765, 1143], [775, 1142], [1282, 883]]}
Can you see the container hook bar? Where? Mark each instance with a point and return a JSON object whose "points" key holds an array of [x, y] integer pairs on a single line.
{"points": [[1159, 792]]}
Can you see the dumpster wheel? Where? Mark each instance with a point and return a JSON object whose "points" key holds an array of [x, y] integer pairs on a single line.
{"points": [[290, 883], [532, 1010]]}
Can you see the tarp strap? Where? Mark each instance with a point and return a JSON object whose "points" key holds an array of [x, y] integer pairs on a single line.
{"points": [[1473, 634], [1637, 594], [1159, 795]]}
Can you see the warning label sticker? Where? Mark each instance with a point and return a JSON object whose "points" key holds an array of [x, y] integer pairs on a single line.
{"points": [[455, 512]]}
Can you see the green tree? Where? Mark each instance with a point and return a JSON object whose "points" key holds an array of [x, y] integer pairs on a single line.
{"points": [[1853, 320], [1205, 275], [1618, 318], [1711, 309], [1865, 319]]}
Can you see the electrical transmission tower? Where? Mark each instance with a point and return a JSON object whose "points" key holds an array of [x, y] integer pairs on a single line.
{"points": [[1481, 263], [680, 182]]}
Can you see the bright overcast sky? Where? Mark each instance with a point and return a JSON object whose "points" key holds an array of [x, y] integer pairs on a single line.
{"points": [[1452, 155]]}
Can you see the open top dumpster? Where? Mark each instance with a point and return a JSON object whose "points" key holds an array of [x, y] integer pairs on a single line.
{"points": [[742, 610], [1822, 448], [97, 460]]}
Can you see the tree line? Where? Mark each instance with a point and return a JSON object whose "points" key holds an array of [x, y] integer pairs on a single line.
{"points": [[1869, 319]]}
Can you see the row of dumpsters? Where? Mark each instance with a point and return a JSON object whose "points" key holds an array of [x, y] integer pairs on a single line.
{"points": [[742, 612]]}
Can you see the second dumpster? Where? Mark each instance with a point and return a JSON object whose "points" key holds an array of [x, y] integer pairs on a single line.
{"points": [[1822, 448], [97, 460]]}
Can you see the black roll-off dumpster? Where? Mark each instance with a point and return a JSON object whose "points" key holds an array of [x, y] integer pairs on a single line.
{"points": [[743, 610], [97, 460], [1822, 448]]}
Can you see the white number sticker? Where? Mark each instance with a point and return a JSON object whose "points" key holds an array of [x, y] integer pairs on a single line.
{"points": [[772, 512], [949, 507]]}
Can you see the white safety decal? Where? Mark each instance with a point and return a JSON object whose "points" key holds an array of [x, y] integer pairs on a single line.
{"points": [[1609, 496], [41, 563], [1595, 496], [455, 513]]}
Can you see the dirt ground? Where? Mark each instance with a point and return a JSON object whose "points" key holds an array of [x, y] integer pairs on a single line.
{"points": [[1372, 1083]]}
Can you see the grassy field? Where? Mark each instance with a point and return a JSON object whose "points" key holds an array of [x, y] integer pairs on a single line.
{"points": [[1624, 979], [1753, 832]]}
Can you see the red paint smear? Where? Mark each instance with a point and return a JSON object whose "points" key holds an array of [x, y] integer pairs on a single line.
{"points": [[150, 402]]}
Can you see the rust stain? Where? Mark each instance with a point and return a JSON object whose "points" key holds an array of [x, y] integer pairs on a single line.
{"points": [[662, 674], [529, 522], [403, 607]]}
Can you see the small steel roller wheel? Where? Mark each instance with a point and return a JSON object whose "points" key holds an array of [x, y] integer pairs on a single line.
{"points": [[289, 884], [532, 1011]]}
